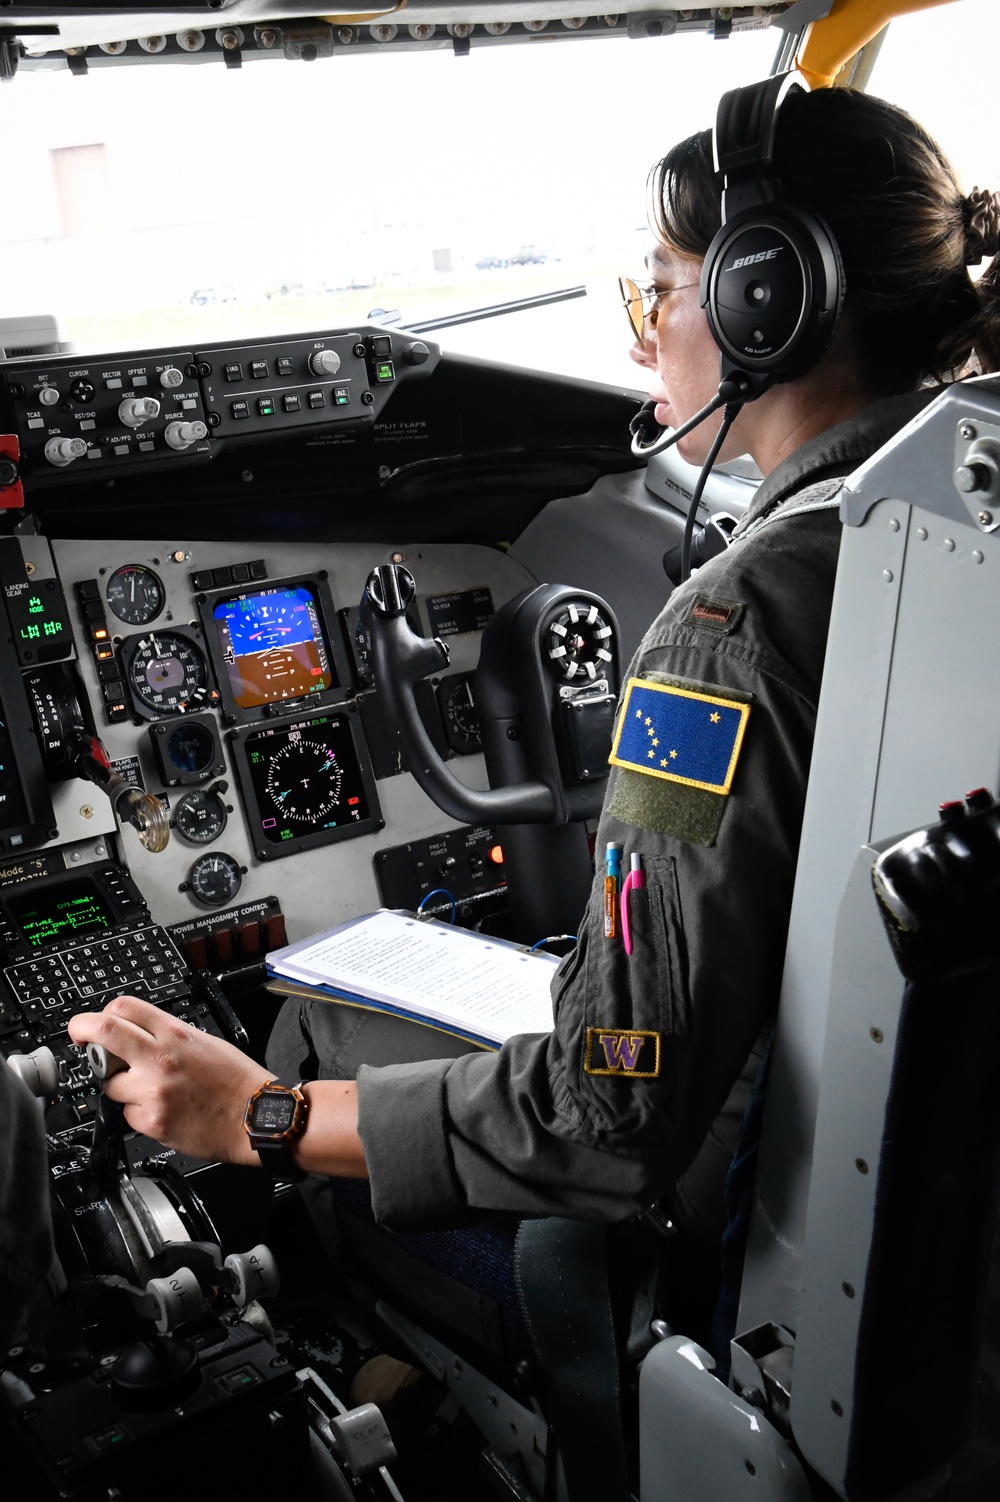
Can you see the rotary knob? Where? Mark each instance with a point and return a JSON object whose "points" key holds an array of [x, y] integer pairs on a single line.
{"points": [[180, 435], [48, 396], [171, 377], [136, 410], [62, 451], [324, 362]]}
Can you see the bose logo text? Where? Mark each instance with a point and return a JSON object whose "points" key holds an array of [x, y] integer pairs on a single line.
{"points": [[761, 255]]}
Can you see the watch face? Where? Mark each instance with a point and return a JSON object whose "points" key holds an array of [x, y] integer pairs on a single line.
{"points": [[273, 1114]]}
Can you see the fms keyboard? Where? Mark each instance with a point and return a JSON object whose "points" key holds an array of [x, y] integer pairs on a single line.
{"points": [[69, 942]]}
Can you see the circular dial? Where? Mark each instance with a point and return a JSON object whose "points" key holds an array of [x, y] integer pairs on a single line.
{"points": [[215, 878], [135, 594], [304, 780], [200, 817], [579, 643], [167, 673], [461, 717]]}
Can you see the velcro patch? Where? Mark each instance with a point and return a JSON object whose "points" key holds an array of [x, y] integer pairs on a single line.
{"points": [[622, 1051], [680, 735], [722, 616]]}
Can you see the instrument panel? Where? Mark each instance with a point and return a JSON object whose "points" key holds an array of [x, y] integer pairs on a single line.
{"points": [[231, 680]]}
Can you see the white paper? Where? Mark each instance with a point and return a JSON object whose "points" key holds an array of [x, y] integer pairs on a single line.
{"points": [[446, 975]]}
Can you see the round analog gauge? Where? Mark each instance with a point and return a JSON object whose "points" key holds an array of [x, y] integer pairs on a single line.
{"points": [[460, 715], [135, 594], [579, 642], [167, 673], [200, 817], [304, 780], [215, 878]]}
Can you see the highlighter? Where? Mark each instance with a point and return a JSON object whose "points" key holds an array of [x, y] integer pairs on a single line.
{"points": [[612, 882]]}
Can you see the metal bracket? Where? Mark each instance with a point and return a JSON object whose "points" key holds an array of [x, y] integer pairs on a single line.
{"points": [[977, 471]]}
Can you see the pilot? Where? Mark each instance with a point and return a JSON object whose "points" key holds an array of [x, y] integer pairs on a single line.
{"points": [[634, 1098], [25, 1224]]}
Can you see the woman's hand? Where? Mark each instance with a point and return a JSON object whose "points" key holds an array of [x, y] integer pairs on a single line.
{"points": [[184, 1088]]}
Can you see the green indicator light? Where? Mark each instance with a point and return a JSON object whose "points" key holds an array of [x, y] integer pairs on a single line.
{"points": [[35, 606], [53, 628], [385, 372], [342, 399], [31, 633], [266, 409]]}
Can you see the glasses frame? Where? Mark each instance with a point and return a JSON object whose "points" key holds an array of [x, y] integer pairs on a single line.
{"points": [[636, 297]]}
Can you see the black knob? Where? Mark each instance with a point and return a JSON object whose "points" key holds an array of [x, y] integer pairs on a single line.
{"points": [[8, 472], [416, 353], [390, 590]]}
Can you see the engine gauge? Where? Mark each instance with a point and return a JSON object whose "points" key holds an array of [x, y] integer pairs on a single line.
{"points": [[166, 673], [457, 701], [200, 816], [135, 594], [215, 878], [579, 642]]}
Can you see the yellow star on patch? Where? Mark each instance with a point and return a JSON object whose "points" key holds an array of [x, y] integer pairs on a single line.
{"points": [[673, 755], [663, 763], [638, 714], [651, 755], [714, 718], [648, 720], [655, 741]]}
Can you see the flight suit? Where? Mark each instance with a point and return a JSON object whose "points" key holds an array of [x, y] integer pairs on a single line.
{"points": [[636, 1095]]}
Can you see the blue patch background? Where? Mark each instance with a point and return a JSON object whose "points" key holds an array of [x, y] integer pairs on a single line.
{"points": [[705, 749]]}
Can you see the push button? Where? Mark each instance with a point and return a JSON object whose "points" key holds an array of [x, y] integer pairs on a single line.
{"points": [[291, 403], [258, 369], [316, 399], [233, 372], [284, 366], [240, 409]]}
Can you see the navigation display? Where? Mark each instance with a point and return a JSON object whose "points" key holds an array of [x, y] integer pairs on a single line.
{"points": [[273, 645], [306, 783], [73, 907]]}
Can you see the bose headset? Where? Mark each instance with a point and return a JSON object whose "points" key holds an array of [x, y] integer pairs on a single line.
{"points": [[772, 284]]}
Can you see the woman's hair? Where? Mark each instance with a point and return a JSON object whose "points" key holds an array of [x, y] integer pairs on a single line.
{"points": [[890, 197]]}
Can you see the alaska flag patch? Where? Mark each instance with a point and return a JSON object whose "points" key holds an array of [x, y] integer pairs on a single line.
{"points": [[622, 1051], [680, 735]]}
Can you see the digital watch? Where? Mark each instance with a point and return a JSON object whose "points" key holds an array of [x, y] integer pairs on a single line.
{"points": [[276, 1116]]}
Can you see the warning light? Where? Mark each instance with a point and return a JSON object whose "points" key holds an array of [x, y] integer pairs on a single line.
{"points": [[352, 802], [100, 633], [496, 854]]}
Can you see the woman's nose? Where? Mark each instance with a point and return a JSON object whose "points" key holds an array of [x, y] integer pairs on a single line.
{"points": [[643, 352]]}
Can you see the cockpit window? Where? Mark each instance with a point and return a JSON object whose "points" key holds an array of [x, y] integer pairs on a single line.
{"points": [[924, 65], [172, 203]]}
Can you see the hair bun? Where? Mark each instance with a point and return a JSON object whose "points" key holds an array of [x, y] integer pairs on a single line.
{"points": [[981, 219]]}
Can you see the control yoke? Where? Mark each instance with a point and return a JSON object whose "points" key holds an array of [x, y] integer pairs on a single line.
{"points": [[546, 687]]}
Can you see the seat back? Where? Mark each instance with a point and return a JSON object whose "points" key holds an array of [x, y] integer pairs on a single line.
{"points": [[908, 717]]}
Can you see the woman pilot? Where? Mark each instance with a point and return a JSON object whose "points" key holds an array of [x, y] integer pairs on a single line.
{"points": [[584, 1122]]}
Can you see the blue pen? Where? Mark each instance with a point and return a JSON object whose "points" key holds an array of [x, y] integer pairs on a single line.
{"points": [[612, 883]]}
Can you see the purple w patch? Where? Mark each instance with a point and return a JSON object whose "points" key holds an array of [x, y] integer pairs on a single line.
{"points": [[626, 1052]]}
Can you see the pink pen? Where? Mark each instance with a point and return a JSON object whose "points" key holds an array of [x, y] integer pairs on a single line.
{"points": [[634, 880]]}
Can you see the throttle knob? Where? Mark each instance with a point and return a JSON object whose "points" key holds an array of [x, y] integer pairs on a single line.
{"points": [[180, 435], [255, 1275], [136, 410], [62, 451], [38, 1070], [390, 590], [324, 362]]}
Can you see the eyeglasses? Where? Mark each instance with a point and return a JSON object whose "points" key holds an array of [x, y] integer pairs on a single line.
{"points": [[643, 303]]}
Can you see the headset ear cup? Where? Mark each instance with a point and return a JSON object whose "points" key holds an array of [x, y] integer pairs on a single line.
{"points": [[772, 287]]}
